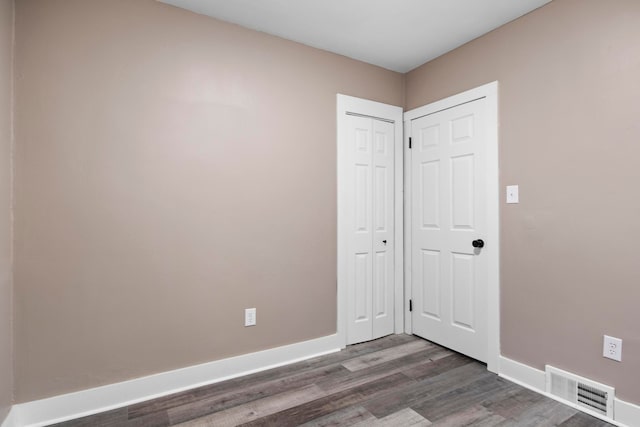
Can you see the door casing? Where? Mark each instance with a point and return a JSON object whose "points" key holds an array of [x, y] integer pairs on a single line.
{"points": [[357, 106], [490, 93]]}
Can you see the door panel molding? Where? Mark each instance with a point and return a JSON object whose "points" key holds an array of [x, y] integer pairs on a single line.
{"points": [[351, 106], [490, 93]]}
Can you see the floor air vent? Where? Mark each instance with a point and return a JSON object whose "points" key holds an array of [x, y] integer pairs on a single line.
{"points": [[586, 394]]}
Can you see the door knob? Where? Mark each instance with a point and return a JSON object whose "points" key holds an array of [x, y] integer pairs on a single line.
{"points": [[478, 243], [384, 241]]}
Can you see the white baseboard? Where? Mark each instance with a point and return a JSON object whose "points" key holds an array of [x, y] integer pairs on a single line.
{"points": [[92, 401], [10, 421], [523, 375], [625, 414]]}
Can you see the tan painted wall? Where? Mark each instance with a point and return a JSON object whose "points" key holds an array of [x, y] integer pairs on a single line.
{"points": [[570, 137], [171, 170], [6, 296]]}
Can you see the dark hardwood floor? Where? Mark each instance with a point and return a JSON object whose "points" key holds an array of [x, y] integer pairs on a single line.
{"points": [[399, 380]]}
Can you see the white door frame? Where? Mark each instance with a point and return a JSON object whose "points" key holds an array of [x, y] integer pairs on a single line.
{"points": [[357, 106], [490, 93]]}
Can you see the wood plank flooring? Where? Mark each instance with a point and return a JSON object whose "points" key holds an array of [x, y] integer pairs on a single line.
{"points": [[396, 381]]}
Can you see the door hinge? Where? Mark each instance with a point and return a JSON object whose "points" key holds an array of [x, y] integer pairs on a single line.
{"points": [[409, 143], [410, 305]]}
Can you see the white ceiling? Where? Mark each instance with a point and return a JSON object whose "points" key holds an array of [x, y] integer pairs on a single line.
{"points": [[395, 34]]}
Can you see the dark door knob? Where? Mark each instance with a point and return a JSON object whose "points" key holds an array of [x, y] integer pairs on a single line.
{"points": [[478, 243], [384, 241]]}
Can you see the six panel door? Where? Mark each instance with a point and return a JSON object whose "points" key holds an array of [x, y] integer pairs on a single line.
{"points": [[448, 213], [370, 265]]}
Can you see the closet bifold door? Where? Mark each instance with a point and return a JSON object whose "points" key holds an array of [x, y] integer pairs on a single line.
{"points": [[370, 265]]}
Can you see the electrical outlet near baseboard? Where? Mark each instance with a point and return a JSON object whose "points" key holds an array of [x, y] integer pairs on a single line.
{"points": [[249, 317], [612, 348]]}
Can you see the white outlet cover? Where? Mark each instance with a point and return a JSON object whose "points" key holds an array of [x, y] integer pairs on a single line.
{"points": [[612, 348], [513, 194], [250, 317]]}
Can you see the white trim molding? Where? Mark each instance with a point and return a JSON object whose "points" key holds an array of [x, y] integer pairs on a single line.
{"points": [[524, 375], [95, 400], [351, 105], [625, 414], [11, 420], [408, 325], [489, 92]]}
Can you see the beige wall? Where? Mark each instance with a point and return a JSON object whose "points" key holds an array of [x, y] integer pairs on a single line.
{"points": [[6, 339], [569, 78], [171, 170]]}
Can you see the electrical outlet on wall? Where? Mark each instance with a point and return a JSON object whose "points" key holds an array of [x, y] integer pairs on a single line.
{"points": [[612, 348], [249, 317]]}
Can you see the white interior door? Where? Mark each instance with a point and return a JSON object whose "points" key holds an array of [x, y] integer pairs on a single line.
{"points": [[448, 214], [370, 228]]}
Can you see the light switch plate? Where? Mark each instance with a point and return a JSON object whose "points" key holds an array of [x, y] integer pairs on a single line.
{"points": [[513, 194]]}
